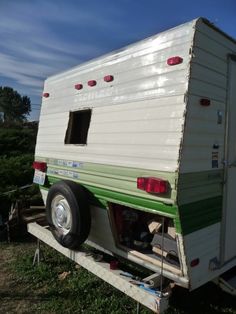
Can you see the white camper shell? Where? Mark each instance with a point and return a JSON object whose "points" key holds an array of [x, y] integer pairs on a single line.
{"points": [[136, 153]]}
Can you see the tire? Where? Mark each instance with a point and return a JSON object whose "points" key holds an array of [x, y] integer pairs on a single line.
{"points": [[68, 213]]}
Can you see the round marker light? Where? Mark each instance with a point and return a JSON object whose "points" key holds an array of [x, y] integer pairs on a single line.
{"points": [[78, 86], [92, 83]]}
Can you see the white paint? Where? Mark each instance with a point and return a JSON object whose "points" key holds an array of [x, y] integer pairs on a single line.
{"points": [[229, 226], [205, 245], [137, 119], [208, 79]]}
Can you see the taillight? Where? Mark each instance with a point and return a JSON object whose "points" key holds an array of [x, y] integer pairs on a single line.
{"points": [[40, 165], [46, 95], [152, 185]]}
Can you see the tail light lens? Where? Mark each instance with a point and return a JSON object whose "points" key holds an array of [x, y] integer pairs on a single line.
{"points": [[152, 185], [39, 165]]}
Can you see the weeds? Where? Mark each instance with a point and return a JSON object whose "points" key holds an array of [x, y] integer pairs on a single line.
{"points": [[82, 292]]}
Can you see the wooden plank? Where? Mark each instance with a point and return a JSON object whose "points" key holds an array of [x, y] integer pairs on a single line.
{"points": [[152, 260]]}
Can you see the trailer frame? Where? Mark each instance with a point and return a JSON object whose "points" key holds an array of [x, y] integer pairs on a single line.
{"points": [[151, 298]]}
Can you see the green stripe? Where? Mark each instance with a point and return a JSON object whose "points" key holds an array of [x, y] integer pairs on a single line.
{"points": [[193, 187], [201, 214], [199, 194], [116, 178], [128, 200]]}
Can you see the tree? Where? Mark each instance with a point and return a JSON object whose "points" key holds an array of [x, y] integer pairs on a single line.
{"points": [[14, 106]]}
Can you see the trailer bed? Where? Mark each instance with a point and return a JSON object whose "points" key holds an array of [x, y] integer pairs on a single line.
{"points": [[151, 299]]}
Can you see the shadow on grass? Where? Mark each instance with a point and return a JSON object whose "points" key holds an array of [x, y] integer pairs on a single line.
{"points": [[208, 299]]}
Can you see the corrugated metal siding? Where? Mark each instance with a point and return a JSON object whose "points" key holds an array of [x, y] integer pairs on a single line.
{"points": [[208, 79], [205, 245], [137, 120], [200, 184]]}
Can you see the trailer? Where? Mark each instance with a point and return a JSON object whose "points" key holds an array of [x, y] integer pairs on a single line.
{"points": [[143, 290], [136, 154]]}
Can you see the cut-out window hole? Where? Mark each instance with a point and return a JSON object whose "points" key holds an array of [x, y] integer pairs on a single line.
{"points": [[78, 126]]}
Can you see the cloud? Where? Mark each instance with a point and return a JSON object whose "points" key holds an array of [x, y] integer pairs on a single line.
{"points": [[41, 38]]}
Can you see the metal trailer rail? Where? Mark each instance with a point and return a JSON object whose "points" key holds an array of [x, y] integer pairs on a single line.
{"points": [[155, 301]]}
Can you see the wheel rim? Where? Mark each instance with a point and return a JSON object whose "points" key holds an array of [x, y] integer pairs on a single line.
{"points": [[61, 214]]}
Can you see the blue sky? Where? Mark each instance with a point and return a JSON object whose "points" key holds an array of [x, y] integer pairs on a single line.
{"points": [[39, 38]]}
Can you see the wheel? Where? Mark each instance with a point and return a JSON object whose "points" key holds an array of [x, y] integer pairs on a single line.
{"points": [[68, 213]]}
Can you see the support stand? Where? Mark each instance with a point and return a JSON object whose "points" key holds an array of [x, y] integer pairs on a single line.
{"points": [[38, 255], [138, 308]]}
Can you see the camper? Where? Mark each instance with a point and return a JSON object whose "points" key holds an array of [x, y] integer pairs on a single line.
{"points": [[136, 153]]}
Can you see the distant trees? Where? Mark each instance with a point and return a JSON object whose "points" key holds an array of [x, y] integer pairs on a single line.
{"points": [[15, 107], [17, 144]]}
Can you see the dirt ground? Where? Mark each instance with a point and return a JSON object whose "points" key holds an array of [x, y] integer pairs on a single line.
{"points": [[14, 298]]}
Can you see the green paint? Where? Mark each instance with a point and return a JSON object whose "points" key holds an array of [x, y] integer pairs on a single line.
{"points": [[199, 194], [193, 187], [128, 200], [116, 178], [187, 218], [201, 214]]}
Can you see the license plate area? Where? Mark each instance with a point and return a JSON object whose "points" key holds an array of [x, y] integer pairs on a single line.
{"points": [[39, 177]]}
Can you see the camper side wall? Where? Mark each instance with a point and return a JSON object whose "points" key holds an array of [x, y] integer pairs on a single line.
{"points": [[200, 185]]}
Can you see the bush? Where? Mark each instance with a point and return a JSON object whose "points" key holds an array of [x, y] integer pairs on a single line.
{"points": [[17, 145], [16, 141]]}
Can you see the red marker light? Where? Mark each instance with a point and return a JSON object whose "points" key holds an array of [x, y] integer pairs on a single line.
{"points": [[92, 83], [174, 60], [78, 86], [205, 102], [194, 262], [40, 165], [152, 185], [46, 95], [108, 78]]}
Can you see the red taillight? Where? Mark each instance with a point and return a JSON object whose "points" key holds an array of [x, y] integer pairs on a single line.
{"points": [[78, 86], [152, 185], [39, 165], [174, 60], [46, 95], [108, 78], [194, 262], [205, 102], [92, 83]]}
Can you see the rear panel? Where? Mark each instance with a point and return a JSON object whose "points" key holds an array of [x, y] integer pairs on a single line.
{"points": [[201, 177], [136, 123]]}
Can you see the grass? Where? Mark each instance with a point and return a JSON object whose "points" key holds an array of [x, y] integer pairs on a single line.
{"points": [[82, 292]]}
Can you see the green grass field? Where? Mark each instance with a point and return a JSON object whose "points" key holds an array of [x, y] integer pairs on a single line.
{"points": [[38, 289]]}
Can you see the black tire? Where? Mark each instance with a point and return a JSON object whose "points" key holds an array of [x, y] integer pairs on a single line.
{"points": [[80, 219]]}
